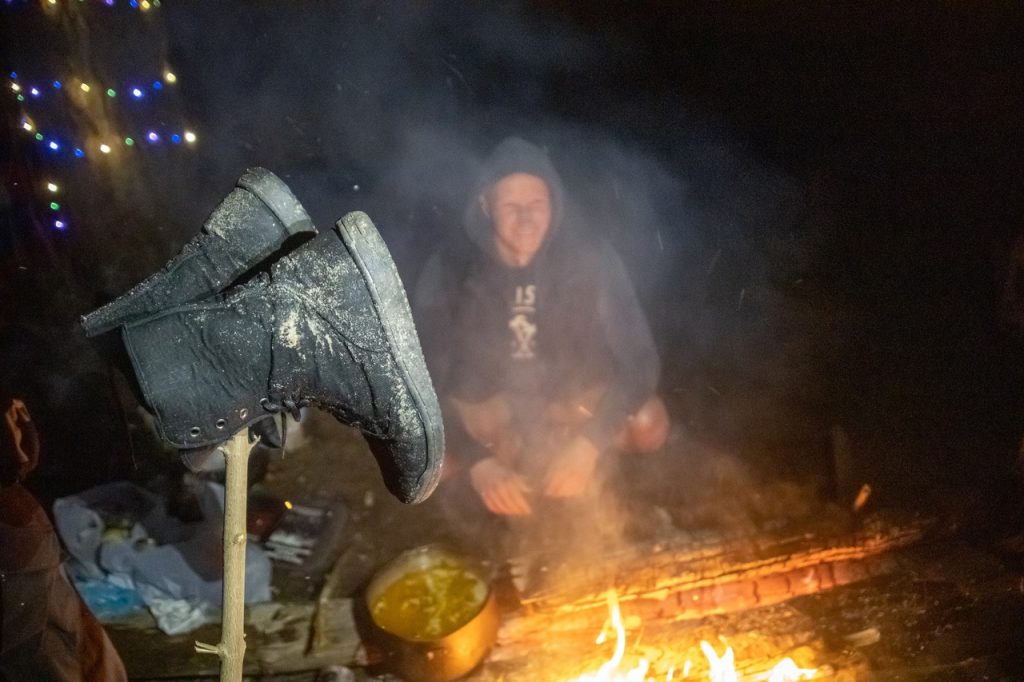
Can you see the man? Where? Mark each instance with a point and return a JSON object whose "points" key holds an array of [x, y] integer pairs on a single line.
{"points": [[536, 342], [46, 630]]}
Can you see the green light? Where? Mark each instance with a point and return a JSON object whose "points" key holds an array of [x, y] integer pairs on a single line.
{"points": [[39, 136], [54, 206], [111, 92], [21, 98], [129, 141], [156, 3]]}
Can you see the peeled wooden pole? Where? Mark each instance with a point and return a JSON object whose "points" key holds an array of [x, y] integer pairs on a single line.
{"points": [[232, 640]]}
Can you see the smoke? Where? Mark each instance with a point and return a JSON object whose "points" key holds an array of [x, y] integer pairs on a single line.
{"points": [[390, 109]]}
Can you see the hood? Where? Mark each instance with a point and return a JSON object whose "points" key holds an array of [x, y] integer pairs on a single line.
{"points": [[512, 155]]}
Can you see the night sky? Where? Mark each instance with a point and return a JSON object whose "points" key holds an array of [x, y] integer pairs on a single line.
{"points": [[816, 201]]}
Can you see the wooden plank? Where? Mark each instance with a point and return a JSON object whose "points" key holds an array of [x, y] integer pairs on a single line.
{"points": [[277, 635]]}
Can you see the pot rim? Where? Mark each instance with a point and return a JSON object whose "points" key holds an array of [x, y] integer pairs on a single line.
{"points": [[420, 557]]}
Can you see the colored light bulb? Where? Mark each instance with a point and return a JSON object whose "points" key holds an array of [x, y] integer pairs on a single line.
{"points": [[78, 152], [34, 92], [190, 137], [59, 224], [111, 92], [129, 141], [54, 206], [137, 93], [85, 87], [170, 77], [175, 138], [54, 145], [52, 186], [105, 148], [152, 136], [39, 136], [15, 87], [56, 85], [157, 85]]}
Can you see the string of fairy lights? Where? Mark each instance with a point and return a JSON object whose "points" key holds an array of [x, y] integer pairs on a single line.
{"points": [[62, 144], [142, 5], [44, 102]]}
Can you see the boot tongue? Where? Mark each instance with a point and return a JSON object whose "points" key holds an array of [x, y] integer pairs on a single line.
{"points": [[202, 459], [268, 433]]}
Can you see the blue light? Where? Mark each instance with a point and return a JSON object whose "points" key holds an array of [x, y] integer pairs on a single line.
{"points": [[110, 3], [54, 145], [175, 138], [152, 136], [78, 152], [34, 92], [134, 3], [13, 74], [157, 85], [56, 85], [60, 224], [137, 93]]}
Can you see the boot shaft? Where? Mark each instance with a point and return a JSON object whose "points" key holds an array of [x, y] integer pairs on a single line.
{"points": [[202, 368], [253, 222]]}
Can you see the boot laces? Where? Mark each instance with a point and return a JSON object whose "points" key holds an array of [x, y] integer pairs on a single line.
{"points": [[285, 404]]}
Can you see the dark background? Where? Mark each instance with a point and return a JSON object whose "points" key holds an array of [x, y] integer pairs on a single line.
{"points": [[816, 201]]}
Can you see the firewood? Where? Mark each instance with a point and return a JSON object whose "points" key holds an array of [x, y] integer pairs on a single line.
{"points": [[687, 581]]}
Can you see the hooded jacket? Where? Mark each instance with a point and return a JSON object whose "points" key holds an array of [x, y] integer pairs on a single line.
{"points": [[567, 322]]}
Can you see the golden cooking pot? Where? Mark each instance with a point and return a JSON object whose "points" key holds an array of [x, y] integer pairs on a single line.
{"points": [[433, 613]]}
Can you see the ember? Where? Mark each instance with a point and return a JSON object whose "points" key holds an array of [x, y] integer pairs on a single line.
{"points": [[721, 669]]}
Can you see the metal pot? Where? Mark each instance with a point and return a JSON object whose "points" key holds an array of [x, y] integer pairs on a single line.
{"points": [[447, 656]]}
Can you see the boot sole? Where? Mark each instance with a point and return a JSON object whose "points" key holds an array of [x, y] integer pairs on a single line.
{"points": [[276, 195], [372, 257]]}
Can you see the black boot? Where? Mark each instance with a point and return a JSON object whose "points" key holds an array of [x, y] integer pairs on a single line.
{"points": [[248, 226], [329, 326]]}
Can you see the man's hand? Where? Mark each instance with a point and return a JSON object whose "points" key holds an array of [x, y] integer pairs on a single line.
{"points": [[502, 490], [572, 469]]}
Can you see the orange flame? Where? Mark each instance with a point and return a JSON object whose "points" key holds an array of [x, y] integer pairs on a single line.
{"points": [[721, 669], [609, 672]]}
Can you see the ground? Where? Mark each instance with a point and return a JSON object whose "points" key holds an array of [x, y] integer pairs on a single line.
{"points": [[946, 610]]}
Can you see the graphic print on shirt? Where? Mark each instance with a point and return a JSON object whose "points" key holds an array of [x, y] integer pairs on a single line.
{"points": [[521, 323]]}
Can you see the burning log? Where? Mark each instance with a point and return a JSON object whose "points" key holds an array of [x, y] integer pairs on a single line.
{"points": [[686, 581]]}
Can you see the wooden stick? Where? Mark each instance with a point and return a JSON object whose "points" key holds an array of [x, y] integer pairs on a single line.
{"points": [[318, 627], [232, 640]]}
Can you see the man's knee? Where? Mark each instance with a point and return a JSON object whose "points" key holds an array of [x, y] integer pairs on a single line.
{"points": [[647, 429]]}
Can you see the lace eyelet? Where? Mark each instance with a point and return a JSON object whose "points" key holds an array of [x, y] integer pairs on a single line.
{"points": [[243, 413], [221, 423], [195, 431]]}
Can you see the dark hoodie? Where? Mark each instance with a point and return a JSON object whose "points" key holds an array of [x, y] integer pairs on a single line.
{"points": [[567, 322]]}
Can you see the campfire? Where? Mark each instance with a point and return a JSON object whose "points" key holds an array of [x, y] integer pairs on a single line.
{"points": [[720, 668]]}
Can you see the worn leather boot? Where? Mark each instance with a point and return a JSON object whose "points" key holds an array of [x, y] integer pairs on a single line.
{"points": [[246, 228], [329, 325]]}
